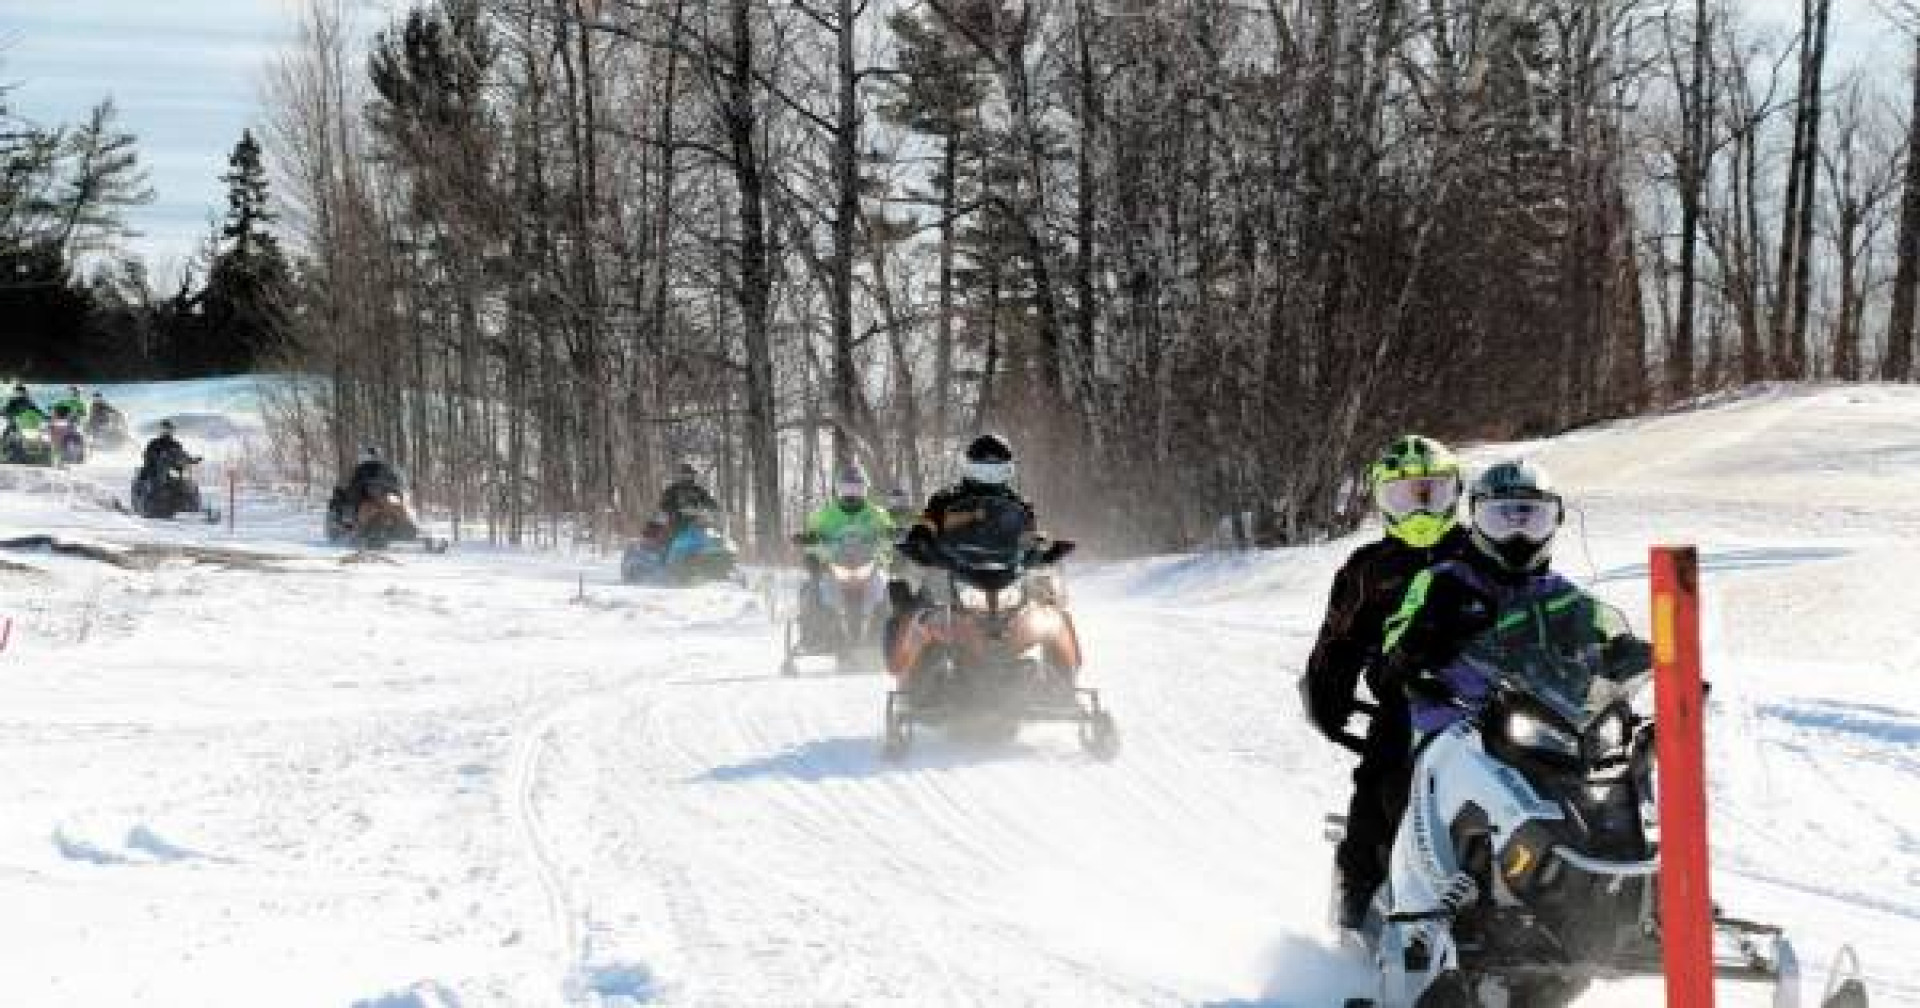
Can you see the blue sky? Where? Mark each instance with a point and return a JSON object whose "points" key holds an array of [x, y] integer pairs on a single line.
{"points": [[186, 75]]}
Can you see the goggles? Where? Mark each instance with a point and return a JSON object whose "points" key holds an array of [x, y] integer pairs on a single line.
{"points": [[1418, 494], [998, 473], [1533, 519]]}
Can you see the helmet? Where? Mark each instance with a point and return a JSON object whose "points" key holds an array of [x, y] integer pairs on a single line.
{"points": [[989, 459], [685, 472], [166, 426], [97, 394], [369, 453], [850, 487], [1515, 513], [1416, 485]]}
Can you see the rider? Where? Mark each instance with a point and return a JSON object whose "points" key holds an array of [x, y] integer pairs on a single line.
{"points": [[986, 476], [1514, 514], [75, 403], [899, 505], [98, 412], [683, 497], [369, 470], [1416, 485], [22, 411], [163, 454], [850, 514]]}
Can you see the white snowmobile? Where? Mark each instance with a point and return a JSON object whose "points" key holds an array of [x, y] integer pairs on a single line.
{"points": [[1526, 864]]}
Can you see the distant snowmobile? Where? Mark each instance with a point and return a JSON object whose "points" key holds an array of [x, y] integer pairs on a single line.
{"points": [[69, 442], [107, 427], [25, 445], [170, 492], [699, 552], [846, 608], [997, 649], [379, 518], [1527, 863]]}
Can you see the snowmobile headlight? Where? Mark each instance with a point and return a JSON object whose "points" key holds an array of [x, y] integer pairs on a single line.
{"points": [[971, 597], [1526, 731]]}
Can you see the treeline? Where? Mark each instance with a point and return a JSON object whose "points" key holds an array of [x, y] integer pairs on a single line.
{"points": [[1197, 257], [76, 306]]}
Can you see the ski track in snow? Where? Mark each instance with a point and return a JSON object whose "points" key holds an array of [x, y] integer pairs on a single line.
{"points": [[456, 783]]}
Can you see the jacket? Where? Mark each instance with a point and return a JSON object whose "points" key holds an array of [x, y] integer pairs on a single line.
{"points": [[1367, 590]]}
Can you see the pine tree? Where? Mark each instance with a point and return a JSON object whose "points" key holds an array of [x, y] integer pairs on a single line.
{"points": [[247, 285]]}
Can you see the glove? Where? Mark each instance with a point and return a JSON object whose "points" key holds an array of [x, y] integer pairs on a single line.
{"points": [[1627, 656], [1424, 685]]}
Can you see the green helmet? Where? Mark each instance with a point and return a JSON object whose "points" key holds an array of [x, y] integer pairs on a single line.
{"points": [[1416, 485]]}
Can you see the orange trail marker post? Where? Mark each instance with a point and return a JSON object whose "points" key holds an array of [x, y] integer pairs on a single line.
{"points": [[1686, 909]]}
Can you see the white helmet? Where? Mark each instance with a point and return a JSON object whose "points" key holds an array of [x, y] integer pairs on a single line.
{"points": [[989, 460], [1515, 513]]}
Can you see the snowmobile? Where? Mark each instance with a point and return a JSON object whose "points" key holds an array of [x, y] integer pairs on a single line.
{"points": [[69, 442], [699, 552], [995, 647], [172, 492], [107, 427], [25, 445], [380, 517], [1526, 865], [842, 612]]}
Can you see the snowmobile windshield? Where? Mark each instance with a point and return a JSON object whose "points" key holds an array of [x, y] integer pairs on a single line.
{"points": [[854, 549], [1560, 651]]}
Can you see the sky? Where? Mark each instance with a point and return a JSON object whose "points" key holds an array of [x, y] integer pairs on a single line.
{"points": [[187, 76]]}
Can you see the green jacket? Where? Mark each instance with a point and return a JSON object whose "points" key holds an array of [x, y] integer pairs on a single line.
{"points": [[830, 524], [76, 408]]}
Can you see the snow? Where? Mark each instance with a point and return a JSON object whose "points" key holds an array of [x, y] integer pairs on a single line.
{"points": [[238, 771]]}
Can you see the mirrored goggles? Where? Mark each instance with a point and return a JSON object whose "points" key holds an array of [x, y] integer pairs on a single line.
{"points": [[1000, 473], [1534, 519], [1418, 494]]}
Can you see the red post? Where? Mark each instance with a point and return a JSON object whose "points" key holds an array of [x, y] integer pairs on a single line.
{"points": [[1686, 912]]}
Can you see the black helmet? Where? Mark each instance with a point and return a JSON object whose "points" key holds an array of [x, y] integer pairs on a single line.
{"points": [[1515, 512], [989, 459], [166, 426], [685, 472]]}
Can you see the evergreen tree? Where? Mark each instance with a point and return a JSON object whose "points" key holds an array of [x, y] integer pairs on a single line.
{"points": [[245, 300]]}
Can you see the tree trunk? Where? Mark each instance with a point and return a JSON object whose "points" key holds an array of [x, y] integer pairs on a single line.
{"points": [[1898, 363]]}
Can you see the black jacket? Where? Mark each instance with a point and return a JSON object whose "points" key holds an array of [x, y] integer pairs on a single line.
{"points": [[1366, 590], [684, 496], [368, 475], [952, 510], [17, 405], [164, 452]]}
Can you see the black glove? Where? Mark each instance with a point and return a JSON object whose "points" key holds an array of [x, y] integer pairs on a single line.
{"points": [[1424, 685], [918, 545], [1627, 656]]}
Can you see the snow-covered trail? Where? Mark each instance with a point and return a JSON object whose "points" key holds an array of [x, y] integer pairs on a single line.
{"points": [[456, 781]]}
